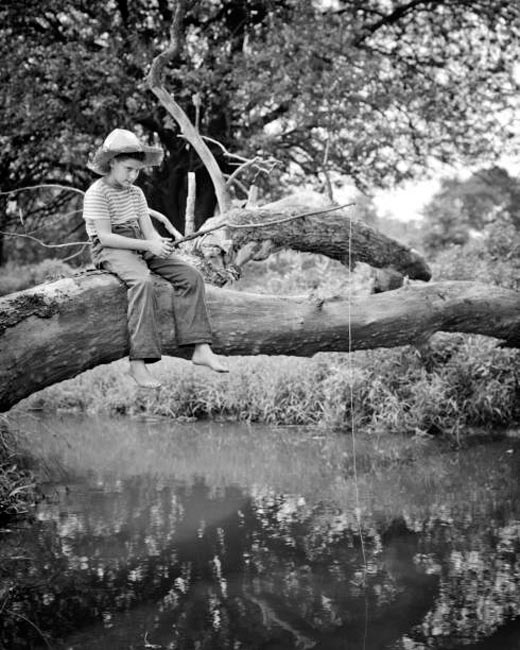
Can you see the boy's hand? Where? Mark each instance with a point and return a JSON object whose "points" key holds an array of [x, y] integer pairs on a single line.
{"points": [[161, 247]]}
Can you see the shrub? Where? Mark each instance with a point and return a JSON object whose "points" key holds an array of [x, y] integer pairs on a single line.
{"points": [[456, 383], [17, 487], [493, 257]]}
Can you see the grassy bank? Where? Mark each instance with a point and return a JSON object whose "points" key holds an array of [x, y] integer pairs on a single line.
{"points": [[17, 486], [459, 382]]}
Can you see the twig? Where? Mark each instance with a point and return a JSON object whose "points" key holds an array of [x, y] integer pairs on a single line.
{"points": [[241, 186], [228, 154], [207, 138], [19, 234], [37, 187], [76, 254], [250, 163]]}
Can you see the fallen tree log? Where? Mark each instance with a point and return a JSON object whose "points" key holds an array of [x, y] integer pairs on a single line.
{"points": [[55, 331]]}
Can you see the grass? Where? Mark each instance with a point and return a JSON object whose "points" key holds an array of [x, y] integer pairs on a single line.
{"points": [[458, 383], [17, 484]]}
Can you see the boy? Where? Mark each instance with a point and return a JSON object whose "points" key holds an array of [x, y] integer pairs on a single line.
{"points": [[125, 243]]}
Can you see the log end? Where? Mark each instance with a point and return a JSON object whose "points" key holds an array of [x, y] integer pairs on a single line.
{"points": [[417, 268]]}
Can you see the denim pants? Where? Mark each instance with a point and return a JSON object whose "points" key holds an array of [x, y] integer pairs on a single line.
{"points": [[135, 269]]}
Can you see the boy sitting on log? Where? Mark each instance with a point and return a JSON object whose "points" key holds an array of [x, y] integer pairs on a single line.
{"points": [[125, 243]]}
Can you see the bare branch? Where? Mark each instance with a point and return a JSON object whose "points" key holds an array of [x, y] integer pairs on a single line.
{"points": [[39, 241], [206, 138], [193, 137], [190, 205], [270, 161], [156, 86], [328, 184], [225, 151], [156, 69], [76, 254], [43, 185], [248, 163]]}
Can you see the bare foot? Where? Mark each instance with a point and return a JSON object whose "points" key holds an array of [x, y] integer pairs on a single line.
{"points": [[139, 373], [203, 355]]}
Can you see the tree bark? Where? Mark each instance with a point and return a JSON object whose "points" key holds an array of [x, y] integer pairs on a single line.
{"points": [[55, 331], [336, 234]]}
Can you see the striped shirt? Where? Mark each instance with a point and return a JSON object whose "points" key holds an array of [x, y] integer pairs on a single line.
{"points": [[118, 205]]}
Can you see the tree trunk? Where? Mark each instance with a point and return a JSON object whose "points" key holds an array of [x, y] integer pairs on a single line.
{"points": [[56, 331]]}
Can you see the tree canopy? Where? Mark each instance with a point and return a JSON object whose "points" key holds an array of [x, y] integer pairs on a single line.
{"points": [[371, 90], [463, 206]]}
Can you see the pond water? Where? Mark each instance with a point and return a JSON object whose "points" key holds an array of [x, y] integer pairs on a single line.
{"points": [[217, 536]]}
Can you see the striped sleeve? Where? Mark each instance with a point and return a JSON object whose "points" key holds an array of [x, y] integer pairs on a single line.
{"points": [[95, 205], [141, 203]]}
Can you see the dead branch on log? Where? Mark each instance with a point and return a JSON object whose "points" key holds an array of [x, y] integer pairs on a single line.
{"points": [[263, 224], [339, 237]]}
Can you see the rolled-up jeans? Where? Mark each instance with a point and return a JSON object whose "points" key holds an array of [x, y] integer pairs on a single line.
{"points": [[135, 269]]}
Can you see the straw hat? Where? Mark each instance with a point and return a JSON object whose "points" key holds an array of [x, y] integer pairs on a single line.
{"points": [[122, 141]]}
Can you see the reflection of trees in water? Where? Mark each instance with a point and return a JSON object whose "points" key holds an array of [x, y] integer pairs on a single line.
{"points": [[266, 572], [479, 573]]}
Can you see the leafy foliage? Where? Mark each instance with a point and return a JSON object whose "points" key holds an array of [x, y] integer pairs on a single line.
{"points": [[369, 89], [463, 207], [494, 257]]}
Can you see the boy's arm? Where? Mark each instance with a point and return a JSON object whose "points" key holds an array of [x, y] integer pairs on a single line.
{"points": [[147, 228], [153, 244], [143, 215]]}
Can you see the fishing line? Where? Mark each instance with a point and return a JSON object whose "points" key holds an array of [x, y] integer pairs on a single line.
{"points": [[353, 425], [353, 434]]}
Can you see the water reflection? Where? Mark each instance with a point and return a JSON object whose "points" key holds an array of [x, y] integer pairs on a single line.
{"points": [[224, 537]]}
